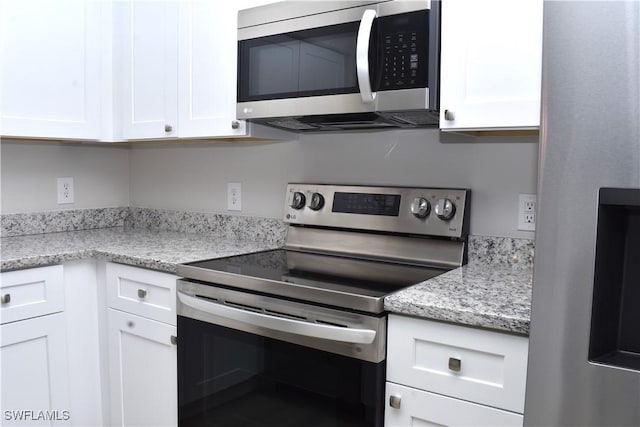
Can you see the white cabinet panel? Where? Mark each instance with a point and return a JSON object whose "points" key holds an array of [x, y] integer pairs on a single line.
{"points": [[143, 371], [419, 408], [492, 366], [207, 69], [142, 350], [83, 329], [50, 80], [147, 43], [491, 64], [30, 293], [146, 293], [34, 372]]}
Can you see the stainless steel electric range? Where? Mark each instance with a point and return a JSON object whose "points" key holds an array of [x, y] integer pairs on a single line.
{"points": [[296, 335]]}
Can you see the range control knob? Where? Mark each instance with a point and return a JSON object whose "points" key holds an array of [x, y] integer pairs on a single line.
{"points": [[298, 200], [420, 207], [317, 201], [445, 209]]}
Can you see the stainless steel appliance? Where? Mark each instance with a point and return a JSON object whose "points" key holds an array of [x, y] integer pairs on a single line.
{"points": [[584, 360], [297, 335], [335, 65]]}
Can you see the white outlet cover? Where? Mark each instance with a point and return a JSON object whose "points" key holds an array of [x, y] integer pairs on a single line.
{"points": [[65, 190], [234, 196], [526, 219]]}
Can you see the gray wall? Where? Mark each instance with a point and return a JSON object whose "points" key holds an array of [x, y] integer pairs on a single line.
{"points": [[195, 177], [30, 169]]}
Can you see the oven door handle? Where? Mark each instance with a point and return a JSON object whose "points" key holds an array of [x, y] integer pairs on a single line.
{"points": [[296, 327]]}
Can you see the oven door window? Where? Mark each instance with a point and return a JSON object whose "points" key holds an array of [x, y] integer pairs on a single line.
{"points": [[233, 378], [319, 61]]}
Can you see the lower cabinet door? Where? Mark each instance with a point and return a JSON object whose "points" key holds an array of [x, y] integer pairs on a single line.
{"points": [[413, 407], [33, 355], [143, 371]]}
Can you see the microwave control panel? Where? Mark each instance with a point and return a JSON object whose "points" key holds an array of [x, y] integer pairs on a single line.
{"points": [[403, 51]]}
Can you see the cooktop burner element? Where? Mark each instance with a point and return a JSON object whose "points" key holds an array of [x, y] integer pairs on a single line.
{"points": [[350, 246]]}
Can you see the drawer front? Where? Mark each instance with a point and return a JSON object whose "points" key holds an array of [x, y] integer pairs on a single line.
{"points": [[413, 407], [31, 293], [147, 293], [462, 362]]}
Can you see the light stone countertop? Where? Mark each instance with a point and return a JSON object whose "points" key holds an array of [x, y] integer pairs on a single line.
{"points": [[488, 295], [477, 294], [158, 250]]}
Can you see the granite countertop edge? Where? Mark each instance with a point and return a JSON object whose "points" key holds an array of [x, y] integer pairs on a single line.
{"points": [[156, 250], [478, 294]]}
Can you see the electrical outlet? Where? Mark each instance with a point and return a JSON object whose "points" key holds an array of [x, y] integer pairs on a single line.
{"points": [[527, 212], [65, 190], [234, 196]]}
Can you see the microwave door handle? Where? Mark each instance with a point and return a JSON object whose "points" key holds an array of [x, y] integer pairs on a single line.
{"points": [[295, 327], [362, 55]]}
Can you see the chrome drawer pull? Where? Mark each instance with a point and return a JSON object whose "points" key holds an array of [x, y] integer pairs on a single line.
{"points": [[142, 293], [6, 299], [455, 364], [174, 340], [395, 401], [449, 115]]}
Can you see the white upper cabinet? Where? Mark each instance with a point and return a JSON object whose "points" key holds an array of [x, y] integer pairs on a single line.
{"points": [[50, 77], [178, 71], [491, 56], [207, 69], [146, 68]]}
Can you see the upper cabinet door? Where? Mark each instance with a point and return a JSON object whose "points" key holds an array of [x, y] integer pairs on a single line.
{"points": [[147, 46], [491, 64], [50, 81], [207, 69]]}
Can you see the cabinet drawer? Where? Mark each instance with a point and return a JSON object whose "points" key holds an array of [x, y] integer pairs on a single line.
{"points": [[421, 408], [147, 293], [471, 364], [30, 293]]}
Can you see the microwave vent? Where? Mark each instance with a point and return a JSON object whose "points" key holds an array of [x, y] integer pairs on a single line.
{"points": [[414, 118]]}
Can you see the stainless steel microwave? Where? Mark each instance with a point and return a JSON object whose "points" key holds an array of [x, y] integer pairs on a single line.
{"points": [[339, 65]]}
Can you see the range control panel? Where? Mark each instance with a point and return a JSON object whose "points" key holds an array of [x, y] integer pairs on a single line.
{"points": [[425, 211]]}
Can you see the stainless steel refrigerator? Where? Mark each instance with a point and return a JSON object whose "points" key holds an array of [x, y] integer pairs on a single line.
{"points": [[584, 357]]}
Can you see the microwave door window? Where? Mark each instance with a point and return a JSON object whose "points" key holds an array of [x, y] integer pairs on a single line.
{"points": [[319, 61], [274, 69], [327, 63]]}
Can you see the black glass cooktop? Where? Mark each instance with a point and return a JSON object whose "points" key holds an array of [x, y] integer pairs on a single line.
{"points": [[311, 271]]}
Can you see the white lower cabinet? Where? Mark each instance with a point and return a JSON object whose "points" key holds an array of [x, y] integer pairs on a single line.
{"points": [[33, 348], [421, 408], [142, 366], [444, 374], [142, 346]]}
